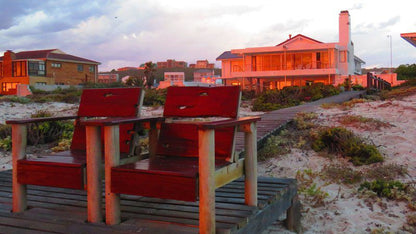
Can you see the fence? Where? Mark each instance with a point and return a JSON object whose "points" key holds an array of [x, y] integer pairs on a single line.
{"points": [[374, 82]]}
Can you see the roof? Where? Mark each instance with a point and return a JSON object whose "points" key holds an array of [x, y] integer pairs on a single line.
{"points": [[228, 55], [51, 54], [410, 37], [359, 60], [204, 71], [296, 37]]}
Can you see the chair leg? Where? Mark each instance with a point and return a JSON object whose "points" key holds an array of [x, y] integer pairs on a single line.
{"points": [[206, 148], [112, 159], [250, 143], [19, 139], [93, 142], [293, 216]]}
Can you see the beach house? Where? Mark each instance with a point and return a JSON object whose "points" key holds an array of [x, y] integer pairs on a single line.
{"points": [[44, 67], [297, 61]]}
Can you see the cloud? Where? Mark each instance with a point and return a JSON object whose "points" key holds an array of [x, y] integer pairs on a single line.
{"points": [[390, 22]]}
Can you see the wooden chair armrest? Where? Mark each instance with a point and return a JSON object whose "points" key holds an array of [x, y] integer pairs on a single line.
{"points": [[221, 123], [119, 120], [38, 120]]}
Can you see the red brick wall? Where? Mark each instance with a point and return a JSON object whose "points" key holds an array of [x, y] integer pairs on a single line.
{"points": [[68, 73]]}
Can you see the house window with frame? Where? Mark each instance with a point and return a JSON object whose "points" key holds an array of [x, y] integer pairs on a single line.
{"points": [[19, 69], [80, 67], [56, 65], [91, 68], [37, 68]]}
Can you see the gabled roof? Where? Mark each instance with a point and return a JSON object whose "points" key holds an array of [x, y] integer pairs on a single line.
{"points": [[297, 37], [410, 37], [51, 54], [228, 55]]}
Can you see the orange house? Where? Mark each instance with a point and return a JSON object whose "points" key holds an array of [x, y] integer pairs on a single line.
{"points": [[44, 67], [298, 61]]}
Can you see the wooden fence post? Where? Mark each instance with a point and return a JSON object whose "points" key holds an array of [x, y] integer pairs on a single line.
{"points": [[19, 139], [250, 144]]}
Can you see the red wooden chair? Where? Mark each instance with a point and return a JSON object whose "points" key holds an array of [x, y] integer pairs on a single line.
{"points": [[67, 169], [190, 158]]}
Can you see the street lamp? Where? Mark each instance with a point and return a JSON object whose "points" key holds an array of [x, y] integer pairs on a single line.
{"points": [[391, 53]]}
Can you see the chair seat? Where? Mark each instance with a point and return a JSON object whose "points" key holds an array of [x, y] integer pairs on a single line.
{"points": [[63, 169], [161, 177]]}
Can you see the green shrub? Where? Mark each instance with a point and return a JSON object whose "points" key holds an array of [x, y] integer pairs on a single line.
{"points": [[292, 96], [5, 131], [69, 95], [154, 97], [383, 188], [342, 141], [22, 100], [47, 132], [275, 145], [6, 143], [357, 87], [248, 95]]}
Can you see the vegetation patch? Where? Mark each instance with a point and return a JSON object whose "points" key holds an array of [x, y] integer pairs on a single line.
{"points": [[363, 122], [307, 187], [154, 97], [69, 95], [339, 140], [386, 172], [342, 174], [292, 96], [275, 145], [48, 132], [389, 189]]}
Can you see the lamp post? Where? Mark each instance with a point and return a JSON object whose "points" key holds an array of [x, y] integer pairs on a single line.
{"points": [[391, 59], [391, 55]]}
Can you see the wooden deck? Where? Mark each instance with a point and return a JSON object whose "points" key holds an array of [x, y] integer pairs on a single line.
{"points": [[57, 210]]}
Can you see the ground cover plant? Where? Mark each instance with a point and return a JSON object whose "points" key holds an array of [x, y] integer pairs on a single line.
{"points": [[292, 96]]}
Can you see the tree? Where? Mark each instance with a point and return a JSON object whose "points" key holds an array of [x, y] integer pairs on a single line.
{"points": [[406, 72], [149, 73], [135, 81]]}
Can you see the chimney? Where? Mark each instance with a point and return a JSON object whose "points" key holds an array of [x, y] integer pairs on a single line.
{"points": [[344, 28], [8, 58], [290, 36]]}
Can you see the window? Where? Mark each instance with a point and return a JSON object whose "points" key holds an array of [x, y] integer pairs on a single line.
{"points": [[8, 85], [80, 67], [37, 68], [91, 68], [40, 83], [19, 68], [56, 65]]}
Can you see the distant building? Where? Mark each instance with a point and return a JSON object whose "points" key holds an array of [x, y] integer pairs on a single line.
{"points": [[172, 79], [201, 73], [202, 64], [295, 62], [171, 63], [107, 78], [44, 67]]}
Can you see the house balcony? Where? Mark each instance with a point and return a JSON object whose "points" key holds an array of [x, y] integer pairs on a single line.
{"points": [[309, 69]]}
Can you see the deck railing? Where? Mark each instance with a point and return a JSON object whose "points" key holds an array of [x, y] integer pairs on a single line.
{"points": [[374, 82]]}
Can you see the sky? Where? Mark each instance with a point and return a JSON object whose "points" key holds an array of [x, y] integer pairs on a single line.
{"points": [[121, 33]]}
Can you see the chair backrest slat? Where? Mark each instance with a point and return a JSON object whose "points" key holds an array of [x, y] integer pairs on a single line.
{"points": [[194, 102], [112, 102]]}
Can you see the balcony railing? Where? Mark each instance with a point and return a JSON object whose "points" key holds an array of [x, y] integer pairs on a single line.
{"points": [[300, 66]]}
